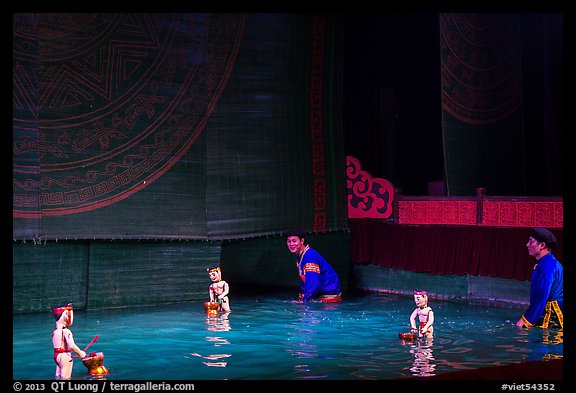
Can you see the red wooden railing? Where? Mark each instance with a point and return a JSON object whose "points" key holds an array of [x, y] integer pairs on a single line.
{"points": [[370, 197], [479, 210]]}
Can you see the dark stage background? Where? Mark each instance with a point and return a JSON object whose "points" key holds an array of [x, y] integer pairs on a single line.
{"points": [[471, 100], [221, 126], [154, 145]]}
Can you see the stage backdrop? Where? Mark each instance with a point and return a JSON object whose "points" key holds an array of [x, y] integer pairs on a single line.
{"points": [[175, 126], [482, 119]]}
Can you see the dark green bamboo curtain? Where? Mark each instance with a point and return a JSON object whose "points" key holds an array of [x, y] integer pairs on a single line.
{"points": [[130, 126]]}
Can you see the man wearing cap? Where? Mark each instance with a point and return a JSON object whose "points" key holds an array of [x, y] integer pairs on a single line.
{"points": [[547, 283], [318, 279]]}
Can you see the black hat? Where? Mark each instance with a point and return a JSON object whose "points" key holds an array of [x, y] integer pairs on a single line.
{"points": [[295, 232], [543, 235]]}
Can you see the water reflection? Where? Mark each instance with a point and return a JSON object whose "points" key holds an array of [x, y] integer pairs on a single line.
{"points": [[556, 337], [277, 339], [303, 341], [96, 377], [424, 363], [550, 346], [216, 322], [303, 335]]}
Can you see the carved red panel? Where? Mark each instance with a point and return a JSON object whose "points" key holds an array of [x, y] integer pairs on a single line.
{"points": [[368, 197], [523, 214], [444, 212]]}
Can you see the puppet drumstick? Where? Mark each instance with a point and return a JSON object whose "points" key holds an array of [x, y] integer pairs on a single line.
{"points": [[91, 342], [87, 346]]}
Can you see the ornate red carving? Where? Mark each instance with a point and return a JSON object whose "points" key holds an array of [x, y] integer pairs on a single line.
{"points": [[444, 212], [367, 197], [547, 214]]}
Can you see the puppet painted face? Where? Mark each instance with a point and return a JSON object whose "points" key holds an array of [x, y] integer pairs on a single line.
{"points": [[421, 299], [215, 274]]}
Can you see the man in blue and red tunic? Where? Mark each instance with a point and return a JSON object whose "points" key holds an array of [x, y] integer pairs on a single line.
{"points": [[318, 279], [547, 284]]}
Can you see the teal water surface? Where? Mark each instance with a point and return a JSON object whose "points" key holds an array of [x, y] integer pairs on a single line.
{"points": [[274, 338]]}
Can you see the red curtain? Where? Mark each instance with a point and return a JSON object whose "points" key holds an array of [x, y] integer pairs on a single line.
{"points": [[434, 249]]}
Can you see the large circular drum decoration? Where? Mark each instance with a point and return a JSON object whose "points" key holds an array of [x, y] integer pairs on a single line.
{"points": [[104, 104], [481, 66]]}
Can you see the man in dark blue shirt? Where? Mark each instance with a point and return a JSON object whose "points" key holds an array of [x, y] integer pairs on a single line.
{"points": [[547, 284], [318, 279]]}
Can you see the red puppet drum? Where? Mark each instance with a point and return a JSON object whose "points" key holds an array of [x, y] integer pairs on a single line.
{"points": [[211, 307], [410, 336], [94, 362]]}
